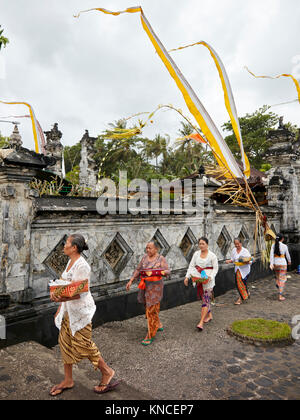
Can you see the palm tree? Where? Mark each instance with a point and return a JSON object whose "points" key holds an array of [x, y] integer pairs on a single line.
{"points": [[3, 41]]}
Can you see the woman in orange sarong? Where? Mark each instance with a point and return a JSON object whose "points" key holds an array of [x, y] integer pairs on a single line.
{"points": [[151, 270]]}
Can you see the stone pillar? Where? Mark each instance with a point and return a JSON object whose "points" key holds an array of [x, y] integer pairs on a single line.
{"points": [[54, 148], [17, 168], [88, 176], [283, 185]]}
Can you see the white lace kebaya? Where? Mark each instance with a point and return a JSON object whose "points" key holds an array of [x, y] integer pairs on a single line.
{"points": [[80, 311]]}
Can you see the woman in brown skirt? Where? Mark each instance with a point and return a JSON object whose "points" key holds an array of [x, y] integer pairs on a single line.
{"points": [[74, 320]]}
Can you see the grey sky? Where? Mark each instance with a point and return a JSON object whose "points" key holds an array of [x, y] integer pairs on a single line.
{"points": [[85, 73]]}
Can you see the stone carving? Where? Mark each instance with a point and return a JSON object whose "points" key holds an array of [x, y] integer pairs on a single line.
{"points": [[56, 261], [244, 237], [88, 178], [284, 176], [224, 241], [117, 254], [114, 254], [54, 148], [188, 245], [15, 140], [163, 245], [281, 126]]}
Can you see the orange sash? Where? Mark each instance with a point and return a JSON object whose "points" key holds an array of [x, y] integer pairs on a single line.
{"points": [[142, 284]]}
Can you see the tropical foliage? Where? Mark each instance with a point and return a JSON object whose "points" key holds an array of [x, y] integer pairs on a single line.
{"points": [[159, 157], [3, 40]]}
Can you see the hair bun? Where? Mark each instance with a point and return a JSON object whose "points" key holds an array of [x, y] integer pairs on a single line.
{"points": [[85, 247]]}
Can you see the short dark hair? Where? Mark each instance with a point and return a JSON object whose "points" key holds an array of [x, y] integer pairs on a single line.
{"points": [[155, 243], [203, 239], [79, 241]]}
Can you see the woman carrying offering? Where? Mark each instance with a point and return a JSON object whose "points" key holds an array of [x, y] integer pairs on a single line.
{"points": [[278, 257], [74, 318], [241, 257], [202, 270], [151, 270]]}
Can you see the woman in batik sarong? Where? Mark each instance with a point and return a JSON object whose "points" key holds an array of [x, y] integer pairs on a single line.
{"points": [[278, 262], [151, 270], [242, 272], [74, 318], [202, 270]]}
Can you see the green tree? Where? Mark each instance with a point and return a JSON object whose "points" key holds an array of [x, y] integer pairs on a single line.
{"points": [[72, 156], [73, 175], [3, 141], [3, 40], [254, 128]]}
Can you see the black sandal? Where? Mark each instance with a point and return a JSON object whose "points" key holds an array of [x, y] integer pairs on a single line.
{"points": [[108, 387]]}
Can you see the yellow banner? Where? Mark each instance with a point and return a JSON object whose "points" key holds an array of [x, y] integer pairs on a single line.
{"points": [[36, 135], [218, 145], [229, 100], [277, 77]]}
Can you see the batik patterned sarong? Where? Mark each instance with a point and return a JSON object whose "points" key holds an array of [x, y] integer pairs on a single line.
{"points": [[152, 315], [77, 347], [206, 299], [241, 285], [280, 272]]}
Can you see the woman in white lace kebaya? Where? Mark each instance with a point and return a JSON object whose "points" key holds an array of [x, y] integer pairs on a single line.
{"points": [[203, 261], [74, 320]]}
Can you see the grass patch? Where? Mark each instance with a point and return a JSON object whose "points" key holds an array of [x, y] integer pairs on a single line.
{"points": [[262, 329]]}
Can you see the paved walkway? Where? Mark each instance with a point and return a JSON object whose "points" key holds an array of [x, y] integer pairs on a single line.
{"points": [[181, 364]]}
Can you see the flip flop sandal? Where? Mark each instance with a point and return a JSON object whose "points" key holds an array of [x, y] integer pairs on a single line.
{"points": [[147, 341], [108, 387], [61, 391], [160, 329]]}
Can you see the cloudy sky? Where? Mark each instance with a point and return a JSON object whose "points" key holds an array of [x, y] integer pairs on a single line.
{"points": [[85, 73]]}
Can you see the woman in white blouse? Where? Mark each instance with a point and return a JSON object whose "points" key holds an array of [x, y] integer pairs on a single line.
{"points": [[242, 272], [74, 320], [203, 261], [279, 257]]}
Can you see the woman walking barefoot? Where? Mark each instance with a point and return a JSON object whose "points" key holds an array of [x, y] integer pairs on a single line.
{"points": [[74, 318], [278, 262], [203, 261]]}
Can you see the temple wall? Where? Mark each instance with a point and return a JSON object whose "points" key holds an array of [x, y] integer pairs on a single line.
{"points": [[117, 243]]}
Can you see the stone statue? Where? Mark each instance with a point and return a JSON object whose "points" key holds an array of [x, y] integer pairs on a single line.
{"points": [[281, 126], [54, 148], [15, 140]]}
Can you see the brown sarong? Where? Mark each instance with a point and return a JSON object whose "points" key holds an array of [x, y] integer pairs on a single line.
{"points": [[77, 347], [152, 314]]}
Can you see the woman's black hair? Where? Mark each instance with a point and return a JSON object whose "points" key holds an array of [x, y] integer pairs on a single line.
{"points": [[279, 237], [155, 243], [79, 241], [203, 239]]}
